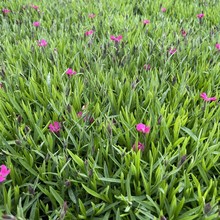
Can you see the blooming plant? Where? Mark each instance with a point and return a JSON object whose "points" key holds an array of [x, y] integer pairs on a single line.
{"points": [[217, 46], [140, 146], [183, 32], [35, 7], [172, 51], [143, 128], [70, 72], [206, 98], [107, 116], [79, 114], [4, 171], [54, 127], [87, 33], [36, 23], [42, 43], [200, 16], [147, 66], [146, 22], [6, 11], [116, 39]]}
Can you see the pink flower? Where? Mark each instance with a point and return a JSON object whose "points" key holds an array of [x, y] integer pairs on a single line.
{"points": [[87, 33], [143, 128], [36, 23], [183, 33], [206, 98], [70, 72], [200, 16], [146, 22], [42, 43], [172, 51], [140, 146], [55, 127], [163, 9], [217, 46], [79, 114], [91, 15], [147, 66], [4, 171], [34, 7], [116, 39], [5, 11]]}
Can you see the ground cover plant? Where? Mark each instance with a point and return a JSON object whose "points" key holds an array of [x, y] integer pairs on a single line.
{"points": [[109, 109]]}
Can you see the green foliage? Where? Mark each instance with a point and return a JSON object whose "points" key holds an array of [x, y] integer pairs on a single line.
{"points": [[89, 169]]}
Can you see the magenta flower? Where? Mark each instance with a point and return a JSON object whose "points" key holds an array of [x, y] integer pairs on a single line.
{"points": [[140, 146], [55, 127], [34, 7], [172, 51], [147, 66], [70, 72], [91, 15], [217, 46], [87, 33], [200, 16], [163, 9], [146, 22], [36, 23], [116, 39], [79, 114], [4, 171], [42, 43], [183, 33], [143, 128], [5, 11], [206, 98]]}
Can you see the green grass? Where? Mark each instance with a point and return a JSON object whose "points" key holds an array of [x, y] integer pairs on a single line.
{"points": [[89, 170]]}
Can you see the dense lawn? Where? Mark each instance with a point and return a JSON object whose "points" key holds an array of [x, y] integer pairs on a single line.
{"points": [[109, 109]]}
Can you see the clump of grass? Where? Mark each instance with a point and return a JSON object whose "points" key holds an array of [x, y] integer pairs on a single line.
{"points": [[75, 81]]}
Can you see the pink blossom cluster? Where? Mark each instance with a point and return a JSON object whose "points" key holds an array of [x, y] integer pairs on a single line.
{"points": [[172, 51], [163, 9], [70, 72], [87, 33], [200, 16], [217, 46], [206, 98], [5, 11], [36, 23], [116, 39], [54, 127], [146, 22], [35, 7], [4, 171], [140, 146], [42, 43], [142, 128]]}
